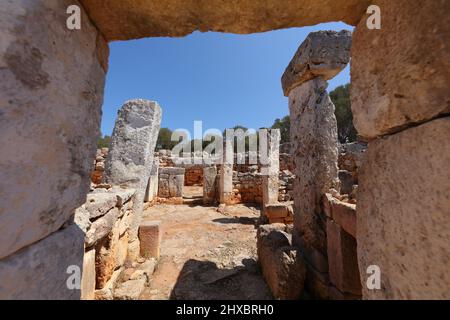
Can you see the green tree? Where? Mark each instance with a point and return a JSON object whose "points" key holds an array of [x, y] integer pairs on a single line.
{"points": [[341, 100], [104, 142], [165, 139], [284, 125]]}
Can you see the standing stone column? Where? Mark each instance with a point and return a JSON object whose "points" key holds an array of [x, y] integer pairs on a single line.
{"points": [[209, 184], [130, 157], [314, 142], [271, 168], [226, 174]]}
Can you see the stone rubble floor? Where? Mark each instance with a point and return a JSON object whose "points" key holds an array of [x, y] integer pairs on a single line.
{"points": [[206, 254]]}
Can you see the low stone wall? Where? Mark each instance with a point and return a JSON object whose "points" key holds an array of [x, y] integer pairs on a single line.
{"points": [[105, 218], [170, 183], [193, 175]]}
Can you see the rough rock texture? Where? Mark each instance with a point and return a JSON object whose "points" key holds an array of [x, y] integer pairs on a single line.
{"points": [[150, 235], [281, 263], [401, 73], [39, 271], [315, 146], [270, 168], [88, 278], [121, 20], [344, 214], [322, 54], [342, 260], [130, 290], [226, 174], [403, 226], [130, 156], [209, 184], [171, 182], [51, 90]]}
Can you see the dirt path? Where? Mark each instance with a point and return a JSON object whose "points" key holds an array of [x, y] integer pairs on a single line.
{"points": [[206, 254]]}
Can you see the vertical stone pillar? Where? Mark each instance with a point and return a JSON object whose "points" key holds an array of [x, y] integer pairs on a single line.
{"points": [[226, 173], [209, 184], [271, 168], [400, 102], [152, 187], [51, 92], [130, 156], [315, 145]]}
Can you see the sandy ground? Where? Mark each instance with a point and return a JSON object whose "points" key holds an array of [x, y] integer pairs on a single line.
{"points": [[206, 254]]}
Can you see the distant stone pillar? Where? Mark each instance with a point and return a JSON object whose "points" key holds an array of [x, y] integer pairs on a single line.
{"points": [[209, 184], [271, 168], [226, 174], [315, 144], [130, 157], [152, 187]]}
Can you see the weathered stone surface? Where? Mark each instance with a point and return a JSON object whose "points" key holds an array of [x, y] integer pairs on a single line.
{"points": [[130, 155], [172, 171], [344, 214], [181, 17], [88, 278], [53, 117], [315, 147], [150, 235], [403, 213], [106, 256], [152, 188], [401, 73], [81, 218], [101, 227], [171, 182], [209, 184], [121, 251], [342, 259], [323, 54], [130, 290], [39, 271], [226, 174], [270, 168], [282, 265], [98, 204], [107, 292]]}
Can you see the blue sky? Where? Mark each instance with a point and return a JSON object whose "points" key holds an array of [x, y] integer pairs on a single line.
{"points": [[221, 79]]}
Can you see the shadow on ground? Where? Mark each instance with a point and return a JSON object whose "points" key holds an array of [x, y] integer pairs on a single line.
{"points": [[203, 280]]}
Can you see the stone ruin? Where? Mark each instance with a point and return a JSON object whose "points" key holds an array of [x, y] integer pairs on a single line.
{"points": [[401, 111]]}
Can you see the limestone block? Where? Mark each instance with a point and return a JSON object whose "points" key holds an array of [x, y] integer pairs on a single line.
{"points": [[315, 152], [344, 214], [281, 264], [99, 204], [403, 213], [106, 257], [130, 155], [209, 184], [50, 95], [121, 251], [401, 73], [342, 259], [88, 278], [323, 54], [107, 292], [150, 235], [172, 171], [176, 183], [180, 17], [101, 227], [39, 271], [130, 290]]}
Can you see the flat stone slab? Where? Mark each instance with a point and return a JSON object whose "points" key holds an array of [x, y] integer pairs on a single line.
{"points": [[322, 54]]}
